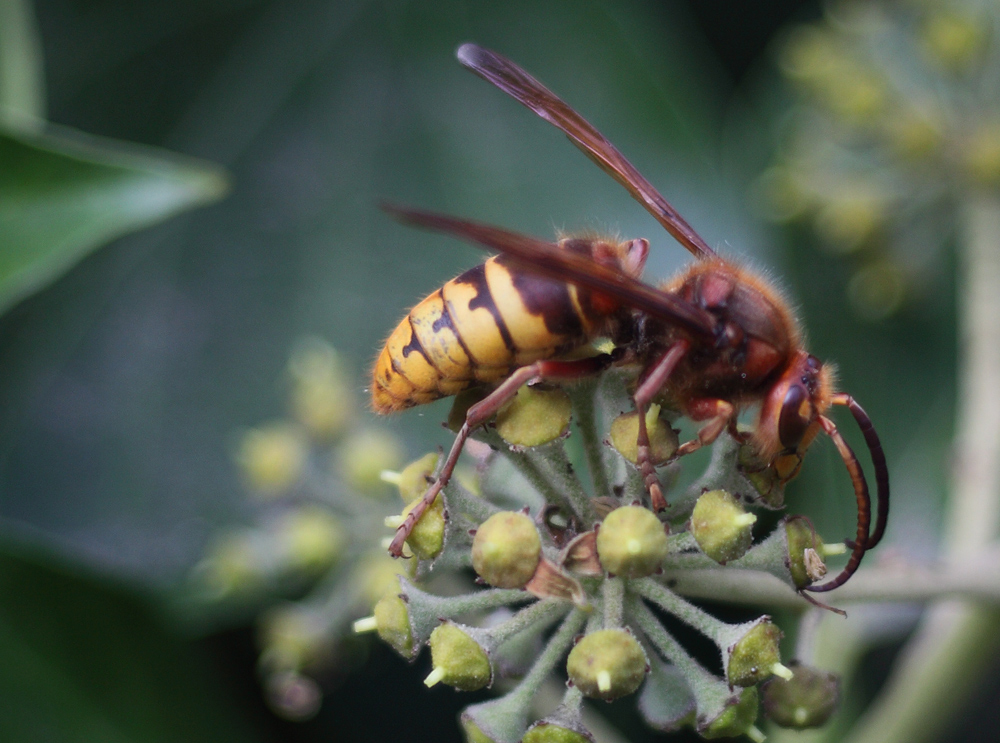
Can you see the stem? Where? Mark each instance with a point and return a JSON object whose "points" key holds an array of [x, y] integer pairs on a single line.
{"points": [[957, 639], [570, 484], [554, 650], [534, 466], [711, 693], [478, 601], [457, 498], [805, 643], [539, 613], [613, 593], [583, 396], [977, 580], [690, 614]]}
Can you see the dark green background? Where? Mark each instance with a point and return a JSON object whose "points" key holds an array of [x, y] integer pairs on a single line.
{"points": [[123, 385]]}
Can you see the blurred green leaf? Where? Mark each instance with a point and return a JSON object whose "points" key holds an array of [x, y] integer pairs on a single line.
{"points": [[83, 661], [62, 194]]}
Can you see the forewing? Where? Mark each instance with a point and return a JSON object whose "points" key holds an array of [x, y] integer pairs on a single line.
{"points": [[521, 86], [547, 259]]}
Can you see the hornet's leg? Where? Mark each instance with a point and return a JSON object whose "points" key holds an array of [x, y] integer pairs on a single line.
{"points": [[878, 461], [648, 388], [481, 412], [717, 413], [860, 544]]}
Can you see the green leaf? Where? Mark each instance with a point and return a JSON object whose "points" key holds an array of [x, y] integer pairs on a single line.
{"points": [[84, 661], [62, 194]]}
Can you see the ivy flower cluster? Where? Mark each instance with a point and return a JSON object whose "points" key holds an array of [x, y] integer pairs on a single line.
{"points": [[318, 504], [897, 126], [575, 574]]}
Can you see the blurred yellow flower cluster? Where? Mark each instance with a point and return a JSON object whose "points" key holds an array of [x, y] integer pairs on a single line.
{"points": [[898, 121]]}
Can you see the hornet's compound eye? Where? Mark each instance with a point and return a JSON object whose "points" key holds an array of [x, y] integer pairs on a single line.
{"points": [[795, 417]]}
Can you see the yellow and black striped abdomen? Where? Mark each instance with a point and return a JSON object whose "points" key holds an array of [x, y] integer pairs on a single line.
{"points": [[477, 328]]}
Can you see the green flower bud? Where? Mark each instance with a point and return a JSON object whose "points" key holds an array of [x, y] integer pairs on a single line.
{"points": [[631, 542], [427, 538], [321, 394], [721, 526], [458, 660], [805, 701], [364, 456], [506, 550], [563, 725], [535, 416], [848, 221], [293, 637], [952, 40], [810, 54], [981, 154], [272, 457], [877, 290], [801, 537], [233, 563], [473, 733], [392, 620], [737, 719], [378, 574], [663, 441], [755, 656], [607, 664], [313, 537], [412, 481], [763, 476], [546, 732]]}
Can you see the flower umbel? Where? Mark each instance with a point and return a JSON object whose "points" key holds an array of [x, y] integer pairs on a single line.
{"points": [[591, 559]]}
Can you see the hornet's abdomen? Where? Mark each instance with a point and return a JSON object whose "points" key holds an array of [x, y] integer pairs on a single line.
{"points": [[476, 329]]}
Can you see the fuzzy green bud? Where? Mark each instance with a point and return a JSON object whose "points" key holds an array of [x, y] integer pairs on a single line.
{"points": [[363, 457], [458, 660], [663, 441], [272, 457], [755, 656], [546, 732], [293, 637], [473, 733], [954, 41], [737, 719], [764, 476], [412, 481], [877, 290], [721, 526], [233, 563], [427, 538], [534, 416], [392, 620], [314, 538], [607, 664], [631, 542], [321, 394], [800, 536], [981, 154], [805, 701], [847, 221], [506, 549], [378, 574]]}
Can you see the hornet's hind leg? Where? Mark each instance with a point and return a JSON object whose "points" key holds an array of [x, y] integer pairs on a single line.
{"points": [[481, 412]]}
